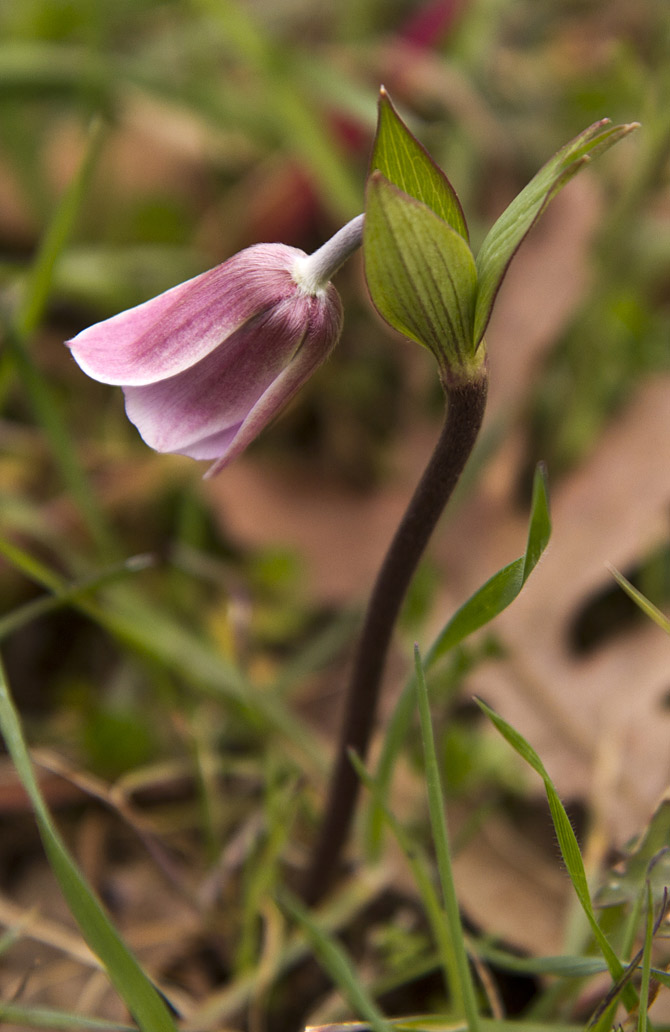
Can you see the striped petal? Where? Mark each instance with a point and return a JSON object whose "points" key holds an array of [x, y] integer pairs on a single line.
{"points": [[176, 330]]}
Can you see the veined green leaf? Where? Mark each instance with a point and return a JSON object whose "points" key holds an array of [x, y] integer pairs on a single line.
{"points": [[515, 222], [420, 272], [399, 156], [141, 997]]}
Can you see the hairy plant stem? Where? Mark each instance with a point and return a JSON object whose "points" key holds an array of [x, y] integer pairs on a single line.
{"points": [[465, 410]]}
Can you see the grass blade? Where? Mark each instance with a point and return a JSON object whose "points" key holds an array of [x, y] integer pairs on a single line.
{"points": [[140, 995], [645, 605], [418, 865], [335, 961], [54, 1021], [463, 992], [567, 842]]}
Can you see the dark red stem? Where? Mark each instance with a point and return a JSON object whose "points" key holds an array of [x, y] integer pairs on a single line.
{"points": [[465, 411]]}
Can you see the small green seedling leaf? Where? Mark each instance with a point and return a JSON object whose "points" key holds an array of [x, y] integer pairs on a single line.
{"points": [[421, 274], [516, 221], [504, 586], [399, 156]]}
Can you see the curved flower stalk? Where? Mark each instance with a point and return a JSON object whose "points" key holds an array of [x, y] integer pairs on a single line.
{"points": [[209, 363]]}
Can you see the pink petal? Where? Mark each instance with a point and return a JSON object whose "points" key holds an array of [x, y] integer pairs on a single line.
{"points": [[208, 408], [172, 332], [319, 341]]}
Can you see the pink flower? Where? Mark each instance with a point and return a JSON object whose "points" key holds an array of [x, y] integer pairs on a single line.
{"points": [[206, 365]]}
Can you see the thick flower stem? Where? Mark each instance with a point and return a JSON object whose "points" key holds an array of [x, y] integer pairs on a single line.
{"points": [[465, 410]]}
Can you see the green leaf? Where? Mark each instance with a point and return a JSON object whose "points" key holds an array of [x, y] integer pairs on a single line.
{"points": [[141, 997], [501, 589], [516, 221], [420, 272], [399, 156]]}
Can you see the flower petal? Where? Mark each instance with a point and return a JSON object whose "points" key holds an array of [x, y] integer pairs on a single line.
{"points": [[201, 411], [319, 341], [172, 332]]}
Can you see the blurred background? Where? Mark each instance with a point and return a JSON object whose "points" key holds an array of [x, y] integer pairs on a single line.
{"points": [[177, 648]]}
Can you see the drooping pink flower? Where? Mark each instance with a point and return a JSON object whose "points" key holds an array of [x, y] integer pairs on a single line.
{"points": [[206, 365]]}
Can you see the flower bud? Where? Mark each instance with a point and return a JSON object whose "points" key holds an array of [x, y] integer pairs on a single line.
{"points": [[206, 365]]}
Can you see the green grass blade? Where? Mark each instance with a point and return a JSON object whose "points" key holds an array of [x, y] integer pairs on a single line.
{"points": [[567, 842], [642, 1022], [141, 997], [68, 595], [154, 634], [38, 285], [54, 1021], [661, 976], [440, 1023], [562, 966], [463, 992], [335, 961], [418, 865], [645, 605], [25, 321]]}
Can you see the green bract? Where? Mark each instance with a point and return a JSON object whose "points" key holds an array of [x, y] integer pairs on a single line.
{"points": [[420, 272], [422, 276], [399, 156]]}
